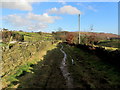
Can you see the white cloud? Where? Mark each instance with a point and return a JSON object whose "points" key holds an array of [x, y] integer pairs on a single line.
{"points": [[23, 0], [45, 18], [92, 8], [62, 2], [16, 20], [64, 10], [53, 10], [89, 7], [30, 21], [19, 5], [37, 26]]}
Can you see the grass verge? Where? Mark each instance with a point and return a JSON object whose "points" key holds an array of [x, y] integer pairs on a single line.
{"points": [[88, 71]]}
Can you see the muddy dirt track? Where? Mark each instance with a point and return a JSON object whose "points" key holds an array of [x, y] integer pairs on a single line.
{"points": [[65, 71], [57, 70]]}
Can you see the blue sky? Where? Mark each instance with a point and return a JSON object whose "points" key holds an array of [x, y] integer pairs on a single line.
{"points": [[49, 16]]}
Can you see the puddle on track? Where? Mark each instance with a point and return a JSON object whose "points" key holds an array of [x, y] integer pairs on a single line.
{"points": [[64, 70]]}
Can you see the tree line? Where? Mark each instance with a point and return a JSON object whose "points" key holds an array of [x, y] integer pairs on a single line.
{"points": [[72, 37]]}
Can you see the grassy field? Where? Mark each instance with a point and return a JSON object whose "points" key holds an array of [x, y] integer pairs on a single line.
{"points": [[44, 74], [110, 43], [18, 60], [20, 57], [89, 71], [35, 63], [33, 37]]}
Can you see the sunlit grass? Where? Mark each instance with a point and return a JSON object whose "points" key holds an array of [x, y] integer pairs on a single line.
{"points": [[110, 43], [106, 48], [26, 65]]}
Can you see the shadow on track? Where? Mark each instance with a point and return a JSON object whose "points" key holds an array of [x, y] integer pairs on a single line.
{"points": [[46, 73]]}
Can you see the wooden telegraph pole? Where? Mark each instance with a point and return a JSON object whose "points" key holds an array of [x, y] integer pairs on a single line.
{"points": [[79, 26]]}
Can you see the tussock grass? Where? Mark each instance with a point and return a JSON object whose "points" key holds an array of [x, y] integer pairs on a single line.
{"points": [[11, 71], [46, 73], [89, 71], [110, 43]]}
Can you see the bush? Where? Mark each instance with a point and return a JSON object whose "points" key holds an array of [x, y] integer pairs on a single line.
{"points": [[6, 35], [70, 37]]}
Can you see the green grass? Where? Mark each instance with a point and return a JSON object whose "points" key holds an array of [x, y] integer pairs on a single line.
{"points": [[46, 73], [20, 71], [34, 37], [89, 71], [31, 53], [3, 44], [110, 43], [14, 72], [16, 65]]}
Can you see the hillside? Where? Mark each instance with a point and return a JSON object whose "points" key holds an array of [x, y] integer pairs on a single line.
{"points": [[56, 60]]}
